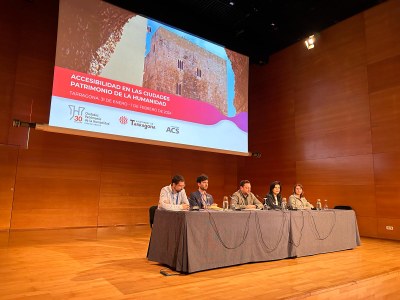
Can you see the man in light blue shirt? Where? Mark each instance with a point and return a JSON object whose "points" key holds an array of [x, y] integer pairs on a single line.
{"points": [[173, 196]]}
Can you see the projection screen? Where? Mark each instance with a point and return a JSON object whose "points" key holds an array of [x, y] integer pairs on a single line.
{"points": [[120, 75]]}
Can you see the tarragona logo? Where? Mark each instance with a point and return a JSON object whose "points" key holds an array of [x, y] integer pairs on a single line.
{"points": [[123, 120]]}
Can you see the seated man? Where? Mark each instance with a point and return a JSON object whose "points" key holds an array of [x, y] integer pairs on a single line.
{"points": [[173, 196], [200, 198], [244, 198]]}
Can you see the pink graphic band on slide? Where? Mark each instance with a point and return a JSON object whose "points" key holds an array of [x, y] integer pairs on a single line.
{"points": [[98, 90]]}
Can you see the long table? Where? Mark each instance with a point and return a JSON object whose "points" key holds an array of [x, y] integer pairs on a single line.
{"points": [[314, 232], [191, 241]]}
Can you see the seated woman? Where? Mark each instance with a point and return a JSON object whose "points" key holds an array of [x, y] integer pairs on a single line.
{"points": [[274, 198], [297, 200]]}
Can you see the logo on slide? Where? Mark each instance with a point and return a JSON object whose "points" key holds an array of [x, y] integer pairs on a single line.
{"points": [[123, 120], [173, 129], [76, 113], [143, 124]]}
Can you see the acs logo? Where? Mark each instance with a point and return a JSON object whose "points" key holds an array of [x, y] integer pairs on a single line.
{"points": [[173, 129]]}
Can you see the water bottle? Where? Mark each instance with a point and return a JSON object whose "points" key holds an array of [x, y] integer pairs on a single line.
{"points": [[266, 206], [319, 205], [207, 202], [284, 204], [225, 203], [326, 204], [233, 205]]}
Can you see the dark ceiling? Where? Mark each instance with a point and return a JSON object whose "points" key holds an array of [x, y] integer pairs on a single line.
{"points": [[256, 28]]}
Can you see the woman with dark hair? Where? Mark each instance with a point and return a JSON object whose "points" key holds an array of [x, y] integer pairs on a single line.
{"points": [[297, 200], [274, 198]]}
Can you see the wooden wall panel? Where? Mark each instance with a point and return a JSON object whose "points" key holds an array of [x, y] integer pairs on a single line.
{"points": [[339, 50], [360, 197], [387, 168], [271, 110], [55, 203], [383, 232], [350, 170], [57, 183], [53, 218], [382, 27], [55, 193], [387, 176], [37, 39], [278, 122], [271, 125], [32, 96], [270, 149], [335, 122], [385, 120], [387, 200], [36, 24], [383, 57], [59, 161], [352, 141], [8, 162], [261, 79], [113, 216], [261, 174], [384, 74], [333, 105], [9, 32], [130, 182], [230, 179], [367, 226]]}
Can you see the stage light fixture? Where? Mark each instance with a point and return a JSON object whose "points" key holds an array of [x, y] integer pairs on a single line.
{"points": [[18, 123], [310, 42], [255, 154]]}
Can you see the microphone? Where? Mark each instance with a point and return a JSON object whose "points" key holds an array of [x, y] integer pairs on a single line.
{"points": [[258, 197]]}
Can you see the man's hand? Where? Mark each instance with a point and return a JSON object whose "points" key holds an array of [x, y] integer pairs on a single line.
{"points": [[185, 206], [250, 206]]}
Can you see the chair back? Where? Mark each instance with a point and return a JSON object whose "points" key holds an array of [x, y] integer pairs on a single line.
{"points": [[343, 207], [152, 211]]}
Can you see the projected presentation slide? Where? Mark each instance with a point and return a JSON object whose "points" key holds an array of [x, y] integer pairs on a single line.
{"points": [[119, 73]]}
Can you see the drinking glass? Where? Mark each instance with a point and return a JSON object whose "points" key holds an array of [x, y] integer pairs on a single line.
{"points": [[225, 203], [326, 204], [284, 204], [319, 206]]}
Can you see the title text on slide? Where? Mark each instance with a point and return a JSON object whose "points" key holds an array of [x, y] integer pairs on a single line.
{"points": [[109, 88]]}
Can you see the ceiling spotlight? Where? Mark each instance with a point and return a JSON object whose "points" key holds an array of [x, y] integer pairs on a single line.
{"points": [[272, 27], [231, 3], [310, 42]]}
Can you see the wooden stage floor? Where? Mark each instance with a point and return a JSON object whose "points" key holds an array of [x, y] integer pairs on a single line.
{"points": [[110, 263]]}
